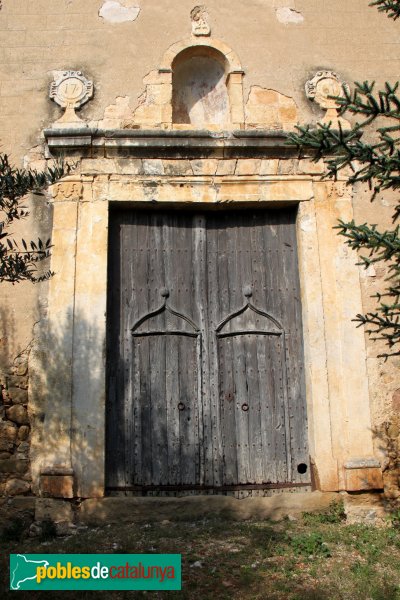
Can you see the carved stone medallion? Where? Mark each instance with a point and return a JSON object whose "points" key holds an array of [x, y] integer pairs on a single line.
{"points": [[319, 89], [199, 18], [71, 90]]}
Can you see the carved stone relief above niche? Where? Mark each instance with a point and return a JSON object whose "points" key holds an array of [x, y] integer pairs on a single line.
{"points": [[199, 84], [200, 25]]}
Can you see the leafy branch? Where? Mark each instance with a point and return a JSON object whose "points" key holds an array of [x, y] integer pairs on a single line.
{"points": [[18, 261]]}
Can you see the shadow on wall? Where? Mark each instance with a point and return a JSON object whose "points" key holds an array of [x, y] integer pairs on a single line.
{"points": [[67, 363], [67, 410]]}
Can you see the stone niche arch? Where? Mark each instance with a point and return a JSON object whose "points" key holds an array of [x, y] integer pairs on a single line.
{"points": [[207, 84], [199, 91]]}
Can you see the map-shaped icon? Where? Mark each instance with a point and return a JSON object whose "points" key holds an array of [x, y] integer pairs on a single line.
{"points": [[25, 570]]}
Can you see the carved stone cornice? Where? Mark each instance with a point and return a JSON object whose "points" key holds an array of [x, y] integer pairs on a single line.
{"points": [[152, 141]]}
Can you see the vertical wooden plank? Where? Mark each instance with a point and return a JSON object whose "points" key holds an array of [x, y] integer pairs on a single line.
{"points": [[267, 414], [276, 300], [241, 275], [127, 351], [227, 403], [115, 459], [261, 266], [263, 427], [145, 412], [201, 310], [157, 432], [217, 284], [137, 299], [187, 416], [295, 361], [255, 396], [172, 423]]}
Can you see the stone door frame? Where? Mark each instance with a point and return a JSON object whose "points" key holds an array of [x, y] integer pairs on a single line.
{"points": [[135, 168]]}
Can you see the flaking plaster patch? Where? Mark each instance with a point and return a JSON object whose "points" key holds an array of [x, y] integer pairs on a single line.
{"points": [[288, 16], [267, 108], [119, 11], [116, 114]]}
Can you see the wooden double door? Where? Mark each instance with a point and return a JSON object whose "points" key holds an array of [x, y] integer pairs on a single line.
{"points": [[205, 384]]}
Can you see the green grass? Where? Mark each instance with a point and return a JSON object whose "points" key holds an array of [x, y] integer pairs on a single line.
{"points": [[318, 557]]}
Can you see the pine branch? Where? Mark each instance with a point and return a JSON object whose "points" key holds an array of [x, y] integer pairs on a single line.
{"points": [[391, 7], [378, 165]]}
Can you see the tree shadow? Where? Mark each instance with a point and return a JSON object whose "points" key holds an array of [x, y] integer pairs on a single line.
{"points": [[67, 401]]}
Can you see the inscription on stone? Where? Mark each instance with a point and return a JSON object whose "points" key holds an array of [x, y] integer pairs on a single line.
{"points": [[338, 189], [71, 90]]}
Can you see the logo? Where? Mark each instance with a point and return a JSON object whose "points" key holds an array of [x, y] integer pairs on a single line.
{"points": [[95, 572]]}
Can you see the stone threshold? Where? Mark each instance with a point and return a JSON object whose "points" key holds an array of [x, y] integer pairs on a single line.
{"points": [[100, 511], [361, 508]]}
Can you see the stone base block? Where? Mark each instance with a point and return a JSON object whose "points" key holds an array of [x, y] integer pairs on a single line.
{"points": [[16, 508], [57, 486], [363, 479], [48, 509], [366, 509]]}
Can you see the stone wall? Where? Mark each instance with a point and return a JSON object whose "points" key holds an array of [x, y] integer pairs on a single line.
{"points": [[15, 475]]}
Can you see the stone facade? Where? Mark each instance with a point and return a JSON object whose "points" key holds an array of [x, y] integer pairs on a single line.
{"points": [[15, 476], [129, 147]]}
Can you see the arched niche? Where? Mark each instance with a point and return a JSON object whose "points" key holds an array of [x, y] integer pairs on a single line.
{"points": [[199, 91], [207, 84]]}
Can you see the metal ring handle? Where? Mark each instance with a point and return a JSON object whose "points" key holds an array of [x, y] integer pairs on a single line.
{"points": [[181, 406]]}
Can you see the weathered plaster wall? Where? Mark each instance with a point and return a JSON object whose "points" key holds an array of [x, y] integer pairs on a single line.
{"points": [[280, 43], [38, 37]]}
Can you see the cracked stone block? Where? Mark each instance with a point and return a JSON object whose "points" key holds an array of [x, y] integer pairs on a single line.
{"points": [[18, 414], [57, 486], [14, 487], [23, 432], [17, 395], [14, 466], [8, 436]]}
